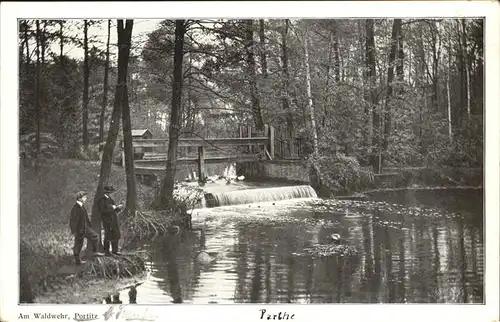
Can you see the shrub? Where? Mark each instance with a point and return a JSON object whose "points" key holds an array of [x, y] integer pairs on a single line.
{"points": [[141, 225], [341, 173], [185, 195], [438, 176], [92, 153]]}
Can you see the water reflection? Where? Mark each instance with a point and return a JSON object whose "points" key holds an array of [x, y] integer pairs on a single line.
{"points": [[173, 271], [403, 259]]}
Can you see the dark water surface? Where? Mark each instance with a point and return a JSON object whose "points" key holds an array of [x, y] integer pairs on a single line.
{"points": [[415, 247]]}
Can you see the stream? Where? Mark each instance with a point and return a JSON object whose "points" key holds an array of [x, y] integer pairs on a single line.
{"points": [[415, 246]]}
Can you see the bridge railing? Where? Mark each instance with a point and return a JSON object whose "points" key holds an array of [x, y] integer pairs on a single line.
{"points": [[288, 148], [152, 153]]}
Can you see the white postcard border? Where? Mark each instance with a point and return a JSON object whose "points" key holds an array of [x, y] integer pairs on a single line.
{"points": [[9, 287]]}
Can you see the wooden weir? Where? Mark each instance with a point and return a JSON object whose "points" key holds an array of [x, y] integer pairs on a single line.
{"points": [[259, 146]]}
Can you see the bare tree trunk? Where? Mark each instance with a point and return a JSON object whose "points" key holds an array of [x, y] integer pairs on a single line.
{"points": [[410, 68], [26, 44], [423, 84], [124, 38], [315, 167], [400, 72], [336, 51], [61, 43], [63, 109], [479, 70], [85, 84], [285, 95], [43, 40], [262, 38], [400, 63], [254, 95], [342, 69], [326, 104], [23, 43], [366, 91], [466, 64], [43, 44], [309, 96], [105, 90], [189, 114], [131, 204], [436, 51], [371, 81], [37, 91], [448, 94], [166, 196], [27, 67], [396, 29]]}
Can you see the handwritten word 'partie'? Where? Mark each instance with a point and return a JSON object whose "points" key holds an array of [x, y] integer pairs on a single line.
{"points": [[275, 316]]}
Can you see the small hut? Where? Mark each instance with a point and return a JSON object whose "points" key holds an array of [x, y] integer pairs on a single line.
{"points": [[142, 134]]}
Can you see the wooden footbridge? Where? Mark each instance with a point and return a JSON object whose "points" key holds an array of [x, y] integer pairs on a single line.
{"points": [[150, 155]]}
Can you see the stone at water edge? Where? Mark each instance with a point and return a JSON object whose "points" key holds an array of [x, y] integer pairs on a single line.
{"points": [[204, 257]]}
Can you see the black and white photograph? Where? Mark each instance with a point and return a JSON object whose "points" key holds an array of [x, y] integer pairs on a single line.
{"points": [[251, 160]]}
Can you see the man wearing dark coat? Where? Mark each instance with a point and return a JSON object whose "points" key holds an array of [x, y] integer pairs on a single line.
{"points": [[108, 210], [81, 228]]}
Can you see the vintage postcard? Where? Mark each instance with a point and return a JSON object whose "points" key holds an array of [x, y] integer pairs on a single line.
{"points": [[250, 161]]}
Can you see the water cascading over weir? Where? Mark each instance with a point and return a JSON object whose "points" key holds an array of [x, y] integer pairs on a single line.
{"points": [[258, 195]]}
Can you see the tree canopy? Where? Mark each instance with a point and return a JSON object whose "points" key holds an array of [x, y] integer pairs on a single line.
{"points": [[388, 92]]}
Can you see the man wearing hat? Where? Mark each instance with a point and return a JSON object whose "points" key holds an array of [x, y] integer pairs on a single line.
{"points": [[109, 210], [81, 228]]}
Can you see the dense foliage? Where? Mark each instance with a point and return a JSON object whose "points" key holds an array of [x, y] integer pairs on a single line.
{"points": [[238, 70], [381, 93]]}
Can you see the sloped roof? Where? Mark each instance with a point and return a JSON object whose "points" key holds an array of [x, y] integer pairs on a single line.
{"points": [[140, 132]]}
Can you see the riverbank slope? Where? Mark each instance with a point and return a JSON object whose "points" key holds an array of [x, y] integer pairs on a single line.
{"points": [[46, 198]]}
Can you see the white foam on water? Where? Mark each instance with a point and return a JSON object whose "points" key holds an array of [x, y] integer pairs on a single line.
{"points": [[249, 196]]}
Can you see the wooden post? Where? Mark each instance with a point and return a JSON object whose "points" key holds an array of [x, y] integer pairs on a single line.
{"points": [[266, 133], [240, 149], [201, 164], [249, 130], [271, 141]]}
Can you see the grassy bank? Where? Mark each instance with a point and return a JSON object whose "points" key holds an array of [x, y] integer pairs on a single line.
{"points": [[46, 198], [434, 177], [349, 180]]}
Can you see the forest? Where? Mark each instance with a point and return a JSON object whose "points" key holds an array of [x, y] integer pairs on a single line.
{"points": [[361, 93], [365, 97]]}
